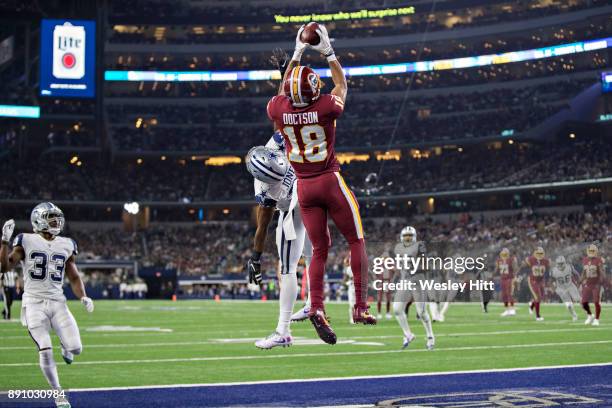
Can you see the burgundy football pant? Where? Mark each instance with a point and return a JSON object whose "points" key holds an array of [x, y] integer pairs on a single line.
{"points": [[328, 194]]}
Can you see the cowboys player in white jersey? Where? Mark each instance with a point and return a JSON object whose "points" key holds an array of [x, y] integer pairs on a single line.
{"points": [[276, 188], [412, 248], [562, 274], [46, 257]]}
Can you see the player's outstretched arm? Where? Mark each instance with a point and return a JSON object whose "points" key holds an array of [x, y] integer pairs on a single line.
{"points": [[300, 47], [9, 260], [325, 48], [78, 288]]}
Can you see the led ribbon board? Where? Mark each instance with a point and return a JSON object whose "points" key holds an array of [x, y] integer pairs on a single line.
{"points": [[345, 15], [401, 68], [19, 111]]}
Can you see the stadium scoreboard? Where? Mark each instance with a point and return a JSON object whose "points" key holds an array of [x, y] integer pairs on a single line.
{"points": [[67, 58]]}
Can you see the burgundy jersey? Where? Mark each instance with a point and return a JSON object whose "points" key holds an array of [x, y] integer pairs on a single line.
{"points": [[537, 267], [593, 269], [309, 133], [506, 267]]}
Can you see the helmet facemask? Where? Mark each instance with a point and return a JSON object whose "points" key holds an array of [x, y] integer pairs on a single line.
{"points": [[504, 254], [592, 251], [49, 219], [539, 253]]}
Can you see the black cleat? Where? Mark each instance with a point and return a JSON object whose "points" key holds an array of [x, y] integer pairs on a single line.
{"points": [[321, 325]]}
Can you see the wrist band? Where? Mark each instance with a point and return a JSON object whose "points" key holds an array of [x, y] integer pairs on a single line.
{"points": [[331, 57]]}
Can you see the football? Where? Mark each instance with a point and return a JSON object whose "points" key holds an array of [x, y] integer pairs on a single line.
{"points": [[309, 35]]}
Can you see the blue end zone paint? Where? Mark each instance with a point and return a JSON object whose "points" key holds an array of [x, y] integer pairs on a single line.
{"points": [[591, 384]]}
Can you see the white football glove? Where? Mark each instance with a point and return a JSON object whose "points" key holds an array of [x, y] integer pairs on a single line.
{"points": [[7, 230], [300, 46], [88, 303], [324, 46]]}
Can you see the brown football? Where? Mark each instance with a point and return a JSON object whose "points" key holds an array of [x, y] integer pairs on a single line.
{"points": [[309, 35]]}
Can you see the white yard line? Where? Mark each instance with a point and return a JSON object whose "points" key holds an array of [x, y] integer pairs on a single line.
{"points": [[325, 354], [219, 341]]}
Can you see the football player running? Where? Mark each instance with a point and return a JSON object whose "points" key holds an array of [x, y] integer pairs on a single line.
{"points": [[275, 189], [563, 274], [538, 266], [45, 258], [306, 119], [593, 272], [409, 246], [507, 266]]}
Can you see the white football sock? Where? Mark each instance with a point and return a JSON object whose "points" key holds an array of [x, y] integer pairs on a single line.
{"points": [[288, 294], [49, 369], [400, 315], [422, 309], [444, 308], [433, 308], [570, 307]]}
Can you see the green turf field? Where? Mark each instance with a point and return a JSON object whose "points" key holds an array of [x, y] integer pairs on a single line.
{"points": [[208, 342]]}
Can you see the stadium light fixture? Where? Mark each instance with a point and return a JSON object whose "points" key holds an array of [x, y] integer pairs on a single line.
{"points": [[132, 208]]}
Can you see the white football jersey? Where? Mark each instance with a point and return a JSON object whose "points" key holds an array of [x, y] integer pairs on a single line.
{"points": [[563, 276], [411, 250], [278, 194], [44, 265]]}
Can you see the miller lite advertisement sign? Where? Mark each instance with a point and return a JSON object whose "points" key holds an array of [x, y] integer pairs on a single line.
{"points": [[67, 66]]}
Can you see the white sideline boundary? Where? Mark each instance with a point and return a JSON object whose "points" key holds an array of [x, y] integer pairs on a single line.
{"points": [[364, 377]]}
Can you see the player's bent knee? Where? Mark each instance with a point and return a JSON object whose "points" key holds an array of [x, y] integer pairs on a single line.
{"points": [[76, 350]]}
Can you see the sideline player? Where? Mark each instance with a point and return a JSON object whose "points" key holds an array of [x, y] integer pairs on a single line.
{"points": [[275, 189], [538, 266], [563, 275], [9, 282], [592, 279], [306, 119], [507, 266], [410, 247], [46, 257]]}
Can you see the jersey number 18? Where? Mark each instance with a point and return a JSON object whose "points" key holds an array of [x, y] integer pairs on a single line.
{"points": [[313, 140]]}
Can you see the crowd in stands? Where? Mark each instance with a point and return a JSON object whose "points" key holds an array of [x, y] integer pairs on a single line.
{"points": [[219, 250], [240, 124], [467, 167], [450, 48]]}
